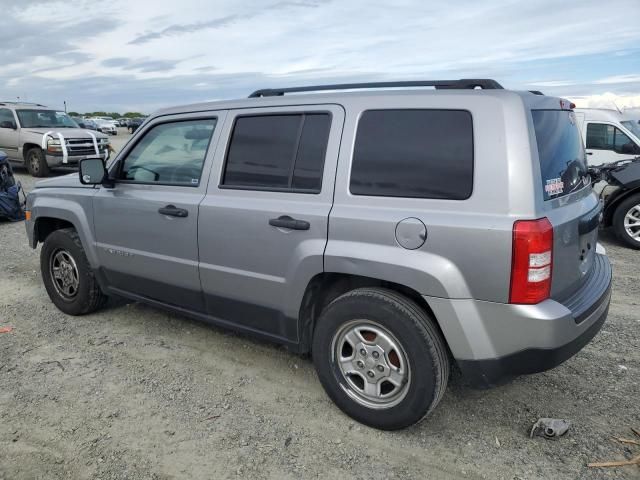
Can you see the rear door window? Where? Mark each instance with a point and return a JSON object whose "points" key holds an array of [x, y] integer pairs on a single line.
{"points": [[6, 115], [283, 152], [414, 153], [560, 151]]}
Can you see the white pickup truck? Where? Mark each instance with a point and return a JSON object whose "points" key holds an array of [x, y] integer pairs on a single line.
{"points": [[41, 138]]}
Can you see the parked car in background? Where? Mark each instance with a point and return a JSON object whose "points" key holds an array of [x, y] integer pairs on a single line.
{"points": [[609, 135], [388, 233], [122, 122], [85, 123], [618, 185], [40, 138], [134, 123], [105, 126], [90, 124]]}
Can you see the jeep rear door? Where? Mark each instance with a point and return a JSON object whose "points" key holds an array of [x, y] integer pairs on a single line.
{"points": [[569, 202], [262, 227], [146, 225]]}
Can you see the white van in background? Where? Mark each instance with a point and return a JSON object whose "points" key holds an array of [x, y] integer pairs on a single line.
{"points": [[609, 135]]}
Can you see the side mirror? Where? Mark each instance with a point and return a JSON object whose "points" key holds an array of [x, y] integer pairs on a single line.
{"points": [[8, 124], [628, 149], [92, 171]]}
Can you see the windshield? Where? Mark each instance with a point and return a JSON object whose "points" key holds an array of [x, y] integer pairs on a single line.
{"points": [[633, 126], [45, 119], [561, 153]]}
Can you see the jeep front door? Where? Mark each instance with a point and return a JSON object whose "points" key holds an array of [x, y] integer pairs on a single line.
{"points": [[146, 225]]}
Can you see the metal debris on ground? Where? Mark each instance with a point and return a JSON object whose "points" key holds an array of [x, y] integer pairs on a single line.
{"points": [[549, 427]]}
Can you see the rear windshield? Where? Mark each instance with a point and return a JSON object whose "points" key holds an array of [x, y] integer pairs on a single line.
{"points": [[561, 153]]}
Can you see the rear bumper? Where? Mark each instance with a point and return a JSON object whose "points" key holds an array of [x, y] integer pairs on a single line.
{"points": [[494, 342]]}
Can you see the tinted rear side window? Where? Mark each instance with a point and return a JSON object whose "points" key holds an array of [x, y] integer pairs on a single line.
{"points": [[414, 153], [280, 152], [561, 153]]}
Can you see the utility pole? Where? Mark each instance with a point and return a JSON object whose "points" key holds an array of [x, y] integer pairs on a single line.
{"points": [[65, 106]]}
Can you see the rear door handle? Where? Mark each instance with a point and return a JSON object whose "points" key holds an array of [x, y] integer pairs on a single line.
{"points": [[589, 153], [173, 211], [285, 221]]}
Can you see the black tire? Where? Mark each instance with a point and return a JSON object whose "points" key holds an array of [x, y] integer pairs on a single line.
{"points": [[627, 206], [36, 162], [424, 348], [87, 297]]}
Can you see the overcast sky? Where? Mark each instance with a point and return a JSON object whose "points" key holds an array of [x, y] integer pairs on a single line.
{"points": [[120, 55]]}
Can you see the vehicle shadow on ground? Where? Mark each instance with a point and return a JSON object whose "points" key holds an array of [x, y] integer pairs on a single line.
{"points": [[609, 236]]}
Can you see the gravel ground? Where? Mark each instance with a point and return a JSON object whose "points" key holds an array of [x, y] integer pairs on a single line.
{"points": [[132, 392]]}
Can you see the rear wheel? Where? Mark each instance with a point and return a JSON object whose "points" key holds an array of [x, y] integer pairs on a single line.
{"points": [[626, 221], [37, 162], [380, 358]]}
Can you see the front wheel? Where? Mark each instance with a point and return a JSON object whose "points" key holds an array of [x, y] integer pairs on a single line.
{"points": [[380, 358], [626, 221], [67, 275], [37, 162]]}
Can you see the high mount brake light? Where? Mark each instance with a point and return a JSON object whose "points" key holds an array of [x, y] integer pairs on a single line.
{"points": [[532, 261]]}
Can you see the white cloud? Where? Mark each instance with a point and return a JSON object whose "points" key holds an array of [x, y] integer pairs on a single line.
{"points": [[607, 100], [552, 83], [307, 41], [633, 78]]}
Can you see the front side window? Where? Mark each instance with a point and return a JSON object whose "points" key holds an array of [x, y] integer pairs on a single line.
{"points": [[602, 136], [170, 153], [45, 119], [414, 153], [278, 152]]}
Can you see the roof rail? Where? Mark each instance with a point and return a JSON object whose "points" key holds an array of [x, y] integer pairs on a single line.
{"points": [[6, 102], [536, 92], [467, 83]]}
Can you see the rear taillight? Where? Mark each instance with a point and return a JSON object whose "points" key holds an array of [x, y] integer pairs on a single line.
{"points": [[532, 261]]}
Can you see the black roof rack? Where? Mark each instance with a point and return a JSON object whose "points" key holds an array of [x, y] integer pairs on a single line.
{"points": [[466, 83]]}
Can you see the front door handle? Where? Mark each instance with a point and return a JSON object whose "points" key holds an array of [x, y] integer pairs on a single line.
{"points": [[285, 221], [173, 211], [589, 153]]}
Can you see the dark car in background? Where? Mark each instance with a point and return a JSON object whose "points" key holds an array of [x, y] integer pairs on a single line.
{"points": [[86, 123], [134, 123]]}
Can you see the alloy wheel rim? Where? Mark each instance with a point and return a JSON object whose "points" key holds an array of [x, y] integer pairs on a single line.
{"points": [[632, 222], [34, 161], [372, 364], [64, 274]]}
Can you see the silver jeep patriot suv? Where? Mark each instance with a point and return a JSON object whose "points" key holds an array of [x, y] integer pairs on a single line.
{"points": [[41, 138], [390, 232]]}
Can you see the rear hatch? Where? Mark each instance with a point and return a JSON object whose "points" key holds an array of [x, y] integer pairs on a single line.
{"points": [[570, 205]]}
